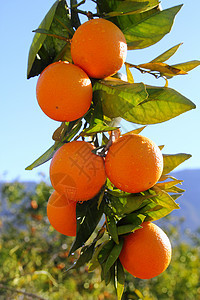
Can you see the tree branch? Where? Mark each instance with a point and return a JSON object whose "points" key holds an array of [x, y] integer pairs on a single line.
{"points": [[33, 296]]}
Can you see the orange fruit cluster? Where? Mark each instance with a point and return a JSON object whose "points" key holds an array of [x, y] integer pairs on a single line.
{"points": [[64, 90], [133, 163]]}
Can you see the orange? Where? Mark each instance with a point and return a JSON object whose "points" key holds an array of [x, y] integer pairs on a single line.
{"points": [[64, 91], [99, 47], [134, 163], [62, 214], [76, 172], [146, 253]]}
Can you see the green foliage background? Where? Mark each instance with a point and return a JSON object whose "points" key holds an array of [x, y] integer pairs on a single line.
{"points": [[33, 258]]}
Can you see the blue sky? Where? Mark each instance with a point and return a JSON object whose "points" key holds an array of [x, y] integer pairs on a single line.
{"points": [[26, 132]]}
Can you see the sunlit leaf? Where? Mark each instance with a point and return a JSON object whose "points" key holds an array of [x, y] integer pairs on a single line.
{"points": [[129, 74], [118, 99], [163, 198], [151, 29], [162, 68], [120, 280], [97, 129], [135, 131], [162, 104], [171, 161], [166, 55], [187, 66], [126, 204], [168, 184]]}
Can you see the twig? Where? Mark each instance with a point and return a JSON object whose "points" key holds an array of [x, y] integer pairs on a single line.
{"points": [[33, 296]]}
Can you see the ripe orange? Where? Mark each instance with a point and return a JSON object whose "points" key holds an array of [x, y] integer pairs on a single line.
{"points": [[99, 48], [64, 91], [62, 214], [76, 172], [146, 253], [134, 163]]}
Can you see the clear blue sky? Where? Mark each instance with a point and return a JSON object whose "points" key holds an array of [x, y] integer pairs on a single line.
{"points": [[26, 132]]}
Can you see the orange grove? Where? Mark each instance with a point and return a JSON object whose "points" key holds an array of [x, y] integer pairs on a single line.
{"points": [[134, 163], [146, 253], [76, 172], [62, 214], [99, 47], [64, 91]]}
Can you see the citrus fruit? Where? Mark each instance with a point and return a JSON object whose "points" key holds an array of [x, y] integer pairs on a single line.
{"points": [[146, 253], [99, 47], [134, 163], [62, 214], [64, 91], [76, 172]]}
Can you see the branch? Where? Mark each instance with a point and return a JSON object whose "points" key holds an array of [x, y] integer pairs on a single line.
{"points": [[33, 296]]}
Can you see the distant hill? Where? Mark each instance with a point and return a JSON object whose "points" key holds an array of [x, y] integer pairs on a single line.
{"points": [[189, 202]]}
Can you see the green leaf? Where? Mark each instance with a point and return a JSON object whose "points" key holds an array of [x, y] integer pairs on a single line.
{"points": [[45, 157], [171, 161], [73, 129], [111, 224], [134, 218], [175, 189], [44, 48], [113, 256], [127, 7], [153, 212], [105, 251], [50, 33], [124, 229], [162, 198], [85, 256], [151, 29], [88, 217], [124, 21], [135, 131], [162, 104], [120, 280], [166, 55], [98, 128], [129, 74], [187, 66], [119, 99], [94, 263], [167, 185], [162, 68], [125, 204]]}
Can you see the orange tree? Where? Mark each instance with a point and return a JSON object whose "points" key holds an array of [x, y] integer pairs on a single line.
{"points": [[141, 24]]}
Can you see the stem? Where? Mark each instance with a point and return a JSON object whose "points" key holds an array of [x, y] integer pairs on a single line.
{"points": [[33, 296], [74, 15], [156, 75], [88, 14], [78, 4]]}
